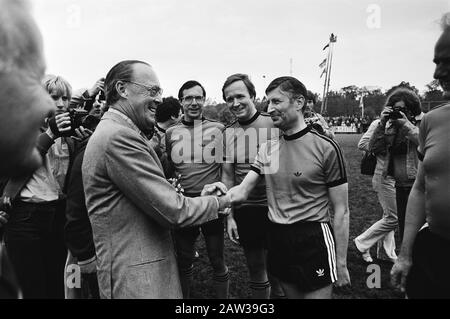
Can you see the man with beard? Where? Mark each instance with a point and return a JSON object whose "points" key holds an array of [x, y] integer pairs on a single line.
{"points": [[305, 178], [131, 205], [421, 269]]}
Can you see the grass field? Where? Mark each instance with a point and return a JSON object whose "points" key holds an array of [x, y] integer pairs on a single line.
{"points": [[364, 210]]}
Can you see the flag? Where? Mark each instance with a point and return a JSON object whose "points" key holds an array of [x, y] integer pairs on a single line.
{"points": [[361, 102], [326, 47], [321, 65], [333, 38], [323, 72]]}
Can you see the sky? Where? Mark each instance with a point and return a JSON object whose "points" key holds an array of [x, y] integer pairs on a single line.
{"points": [[379, 42]]}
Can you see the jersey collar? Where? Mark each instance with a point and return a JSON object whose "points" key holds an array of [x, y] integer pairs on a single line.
{"points": [[298, 134], [191, 123], [250, 121]]}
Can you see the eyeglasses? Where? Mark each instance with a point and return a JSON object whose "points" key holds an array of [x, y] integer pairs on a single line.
{"points": [[152, 90], [190, 99]]}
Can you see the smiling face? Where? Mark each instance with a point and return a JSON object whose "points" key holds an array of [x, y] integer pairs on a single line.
{"points": [[442, 61], [192, 102], [143, 103], [239, 101], [284, 110]]}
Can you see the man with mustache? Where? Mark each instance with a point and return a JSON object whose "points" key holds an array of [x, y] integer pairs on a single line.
{"points": [[421, 269], [305, 178]]}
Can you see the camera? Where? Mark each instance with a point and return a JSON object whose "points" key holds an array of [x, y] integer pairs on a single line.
{"points": [[395, 114], [102, 96], [76, 120]]}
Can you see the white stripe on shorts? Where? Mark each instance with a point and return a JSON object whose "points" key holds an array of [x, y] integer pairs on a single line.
{"points": [[331, 248]]}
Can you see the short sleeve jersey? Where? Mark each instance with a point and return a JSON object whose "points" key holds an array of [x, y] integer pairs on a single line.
{"points": [[298, 170], [434, 151], [241, 144], [195, 150]]}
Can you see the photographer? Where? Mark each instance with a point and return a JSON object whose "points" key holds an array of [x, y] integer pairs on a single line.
{"points": [[314, 119], [86, 98], [396, 137], [34, 231], [381, 232]]}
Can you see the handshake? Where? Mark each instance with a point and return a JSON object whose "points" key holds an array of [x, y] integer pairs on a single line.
{"points": [[225, 197]]}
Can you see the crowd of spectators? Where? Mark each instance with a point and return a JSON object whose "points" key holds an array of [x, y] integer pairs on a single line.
{"points": [[359, 123]]}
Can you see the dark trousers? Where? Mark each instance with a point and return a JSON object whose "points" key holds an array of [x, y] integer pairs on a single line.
{"points": [[429, 276], [9, 287], [35, 244], [401, 194], [89, 286]]}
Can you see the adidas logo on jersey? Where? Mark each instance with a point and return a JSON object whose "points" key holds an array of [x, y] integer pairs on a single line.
{"points": [[320, 272], [298, 174]]}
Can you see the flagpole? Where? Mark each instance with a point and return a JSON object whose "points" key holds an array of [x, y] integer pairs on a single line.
{"points": [[329, 70], [324, 96], [362, 106]]}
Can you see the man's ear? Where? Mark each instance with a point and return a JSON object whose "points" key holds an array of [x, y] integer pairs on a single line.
{"points": [[121, 89], [300, 103]]}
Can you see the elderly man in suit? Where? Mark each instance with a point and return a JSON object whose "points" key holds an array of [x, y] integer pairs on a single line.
{"points": [[131, 205]]}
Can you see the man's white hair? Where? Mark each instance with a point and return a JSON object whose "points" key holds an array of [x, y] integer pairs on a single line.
{"points": [[445, 22]]}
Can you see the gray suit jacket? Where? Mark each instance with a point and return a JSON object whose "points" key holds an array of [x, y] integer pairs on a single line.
{"points": [[132, 207]]}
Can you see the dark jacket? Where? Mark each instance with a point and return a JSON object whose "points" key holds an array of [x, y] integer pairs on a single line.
{"points": [[78, 231]]}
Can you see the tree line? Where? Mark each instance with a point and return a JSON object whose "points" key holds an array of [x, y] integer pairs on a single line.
{"points": [[345, 102]]}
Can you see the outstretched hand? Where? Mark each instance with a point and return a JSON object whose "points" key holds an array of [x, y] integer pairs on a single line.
{"points": [[220, 190], [216, 189]]}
